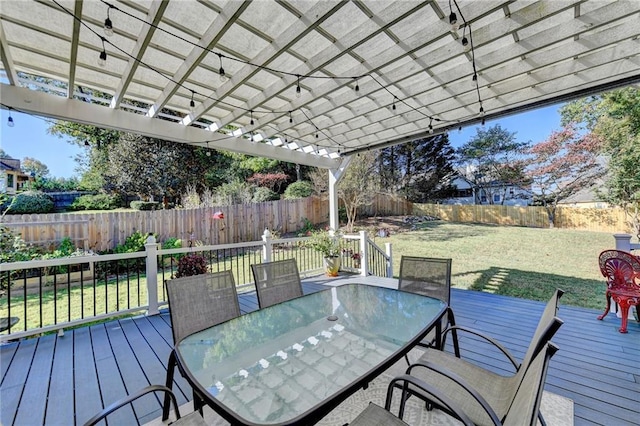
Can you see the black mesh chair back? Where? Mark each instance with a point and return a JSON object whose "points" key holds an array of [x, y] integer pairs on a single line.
{"points": [[427, 276], [195, 303], [276, 282], [201, 301], [431, 277]]}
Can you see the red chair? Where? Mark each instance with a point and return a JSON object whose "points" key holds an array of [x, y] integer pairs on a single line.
{"points": [[622, 271]]}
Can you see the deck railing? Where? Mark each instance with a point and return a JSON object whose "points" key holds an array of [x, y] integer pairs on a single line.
{"points": [[51, 295]]}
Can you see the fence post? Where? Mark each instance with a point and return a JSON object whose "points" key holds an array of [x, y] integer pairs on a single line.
{"points": [[267, 247], [151, 248], [387, 248], [364, 254]]}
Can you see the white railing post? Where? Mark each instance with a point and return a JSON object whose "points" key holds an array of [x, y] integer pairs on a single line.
{"points": [[387, 249], [364, 254], [151, 248], [267, 248], [623, 243]]}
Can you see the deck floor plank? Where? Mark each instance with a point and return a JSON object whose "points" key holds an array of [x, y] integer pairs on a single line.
{"points": [[87, 398], [91, 366], [110, 376], [59, 405]]}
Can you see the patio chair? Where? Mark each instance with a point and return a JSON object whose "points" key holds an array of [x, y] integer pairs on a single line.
{"points": [[195, 303], [497, 400], [490, 385], [430, 277], [191, 419], [622, 271], [276, 282], [378, 416]]}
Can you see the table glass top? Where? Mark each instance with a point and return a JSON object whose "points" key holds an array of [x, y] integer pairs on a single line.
{"points": [[277, 363]]}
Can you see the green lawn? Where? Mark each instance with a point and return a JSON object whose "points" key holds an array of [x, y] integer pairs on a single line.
{"points": [[523, 262]]}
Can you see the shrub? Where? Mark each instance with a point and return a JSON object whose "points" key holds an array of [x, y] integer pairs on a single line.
{"points": [[299, 189], [31, 202], [191, 264], [145, 205], [134, 242], [236, 192], [262, 194], [95, 202], [12, 249]]}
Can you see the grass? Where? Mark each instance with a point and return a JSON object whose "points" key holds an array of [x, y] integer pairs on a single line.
{"points": [[529, 263]]}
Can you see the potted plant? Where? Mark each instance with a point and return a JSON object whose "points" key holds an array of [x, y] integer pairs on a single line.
{"points": [[328, 244]]}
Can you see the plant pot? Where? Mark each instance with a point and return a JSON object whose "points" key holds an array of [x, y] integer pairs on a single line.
{"points": [[332, 266]]}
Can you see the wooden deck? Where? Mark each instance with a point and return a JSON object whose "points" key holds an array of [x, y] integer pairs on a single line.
{"points": [[64, 380]]}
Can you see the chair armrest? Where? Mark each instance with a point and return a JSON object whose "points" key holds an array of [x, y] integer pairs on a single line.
{"points": [[129, 399], [442, 400], [489, 339]]}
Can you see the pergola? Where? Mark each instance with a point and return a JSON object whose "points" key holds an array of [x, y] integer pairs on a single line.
{"points": [[309, 81]]}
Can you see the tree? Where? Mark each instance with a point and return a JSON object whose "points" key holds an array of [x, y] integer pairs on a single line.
{"points": [[494, 161], [358, 185], [417, 169], [150, 167], [614, 118], [563, 165], [3, 154], [35, 167]]}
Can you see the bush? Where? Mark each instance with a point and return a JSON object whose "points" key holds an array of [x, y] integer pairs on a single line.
{"points": [[236, 192], [95, 202], [134, 242], [191, 264], [262, 194], [13, 249], [299, 189], [31, 202], [146, 205]]}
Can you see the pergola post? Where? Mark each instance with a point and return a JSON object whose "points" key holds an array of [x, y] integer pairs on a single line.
{"points": [[334, 177]]}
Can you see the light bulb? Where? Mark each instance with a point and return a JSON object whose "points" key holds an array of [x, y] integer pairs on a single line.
{"points": [[102, 60], [108, 27], [298, 92], [208, 153], [223, 76], [10, 122]]}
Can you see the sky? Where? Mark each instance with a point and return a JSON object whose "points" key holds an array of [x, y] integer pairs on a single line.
{"points": [[29, 138]]}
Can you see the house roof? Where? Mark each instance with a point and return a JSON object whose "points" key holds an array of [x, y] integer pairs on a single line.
{"points": [[10, 164], [408, 62]]}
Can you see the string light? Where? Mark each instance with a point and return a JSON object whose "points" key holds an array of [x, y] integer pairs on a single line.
{"points": [[103, 55], [357, 86], [453, 19], [108, 25], [431, 126], [483, 121], [251, 112], [223, 76], [10, 122], [208, 153], [192, 104], [102, 59]]}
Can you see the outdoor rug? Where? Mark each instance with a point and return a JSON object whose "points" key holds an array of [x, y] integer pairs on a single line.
{"points": [[557, 410]]}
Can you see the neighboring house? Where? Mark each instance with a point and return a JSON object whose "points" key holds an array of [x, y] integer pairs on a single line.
{"points": [[466, 193], [12, 179], [586, 198]]}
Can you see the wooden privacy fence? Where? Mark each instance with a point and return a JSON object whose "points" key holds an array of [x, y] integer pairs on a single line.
{"points": [[590, 219], [242, 222]]}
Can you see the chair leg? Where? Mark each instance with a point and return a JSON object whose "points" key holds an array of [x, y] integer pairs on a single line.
{"points": [[168, 383], [454, 334], [606, 310], [624, 308]]}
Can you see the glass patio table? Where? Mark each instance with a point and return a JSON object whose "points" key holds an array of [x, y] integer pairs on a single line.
{"points": [[292, 363]]}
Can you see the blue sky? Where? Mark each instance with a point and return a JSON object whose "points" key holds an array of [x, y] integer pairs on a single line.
{"points": [[29, 138]]}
